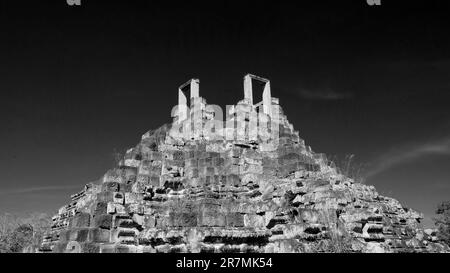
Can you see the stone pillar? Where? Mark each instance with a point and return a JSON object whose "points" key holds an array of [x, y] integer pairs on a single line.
{"points": [[195, 86], [183, 104], [267, 99], [248, 93]]}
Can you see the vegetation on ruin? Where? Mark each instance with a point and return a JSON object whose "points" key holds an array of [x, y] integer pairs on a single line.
{"points": [[19, 234], [350, 167], [442, 222]]}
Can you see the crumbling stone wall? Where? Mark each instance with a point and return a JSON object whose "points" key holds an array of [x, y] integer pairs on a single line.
{"points": [[172, 194]]}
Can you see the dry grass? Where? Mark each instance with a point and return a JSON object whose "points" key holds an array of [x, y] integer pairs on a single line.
{"points": [[350, 167]]}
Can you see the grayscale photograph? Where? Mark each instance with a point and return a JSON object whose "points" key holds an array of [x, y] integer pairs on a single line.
{"points": [[224, 135]]}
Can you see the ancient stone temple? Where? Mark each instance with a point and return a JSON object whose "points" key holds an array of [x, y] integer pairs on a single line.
{"points": [[240, 182]]}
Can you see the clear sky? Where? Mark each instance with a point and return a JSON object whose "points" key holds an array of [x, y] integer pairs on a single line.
{"points": [[78, 83]]}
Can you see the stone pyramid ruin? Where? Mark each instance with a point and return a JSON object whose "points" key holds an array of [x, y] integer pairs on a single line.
{"points": [[243, 183]]}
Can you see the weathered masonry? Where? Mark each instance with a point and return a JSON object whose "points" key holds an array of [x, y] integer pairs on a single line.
{"points": [[246, 192], [194, 119]]}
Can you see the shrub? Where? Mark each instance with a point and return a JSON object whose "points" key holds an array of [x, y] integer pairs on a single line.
{"points": [[17, 233], [442, 222]]}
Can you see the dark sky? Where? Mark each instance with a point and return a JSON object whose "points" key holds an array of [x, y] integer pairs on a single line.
{"points": [[78, 83]]}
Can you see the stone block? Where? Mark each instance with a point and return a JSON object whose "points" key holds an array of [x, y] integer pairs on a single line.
{"points": [[113, 208], [154, 181], [136, 208], [64, 236], [233, 180], [156, 169], [235, 219], [178, 155], [253, 168], [209, 180], [114, 175], [144, 168], [234, 161], [212, 217], [138, 188], [161, 222], [201, 163], [177, 163], [188, 155], [209, 162], [72, 235], [131, 197], [128, 170], [191, 163], [254, 220], [127, 187], [119, 198], [219, 162], [129, 180], [148, 210], [143, 178], [210, 171], [107, 248], [99, 235], [101, 208], [213, 154], [73, 247], [132, 163], [111, 186], [105, 196], [82, 235], [103, 221], [217, 179], [193, 182], [139, 219], [153, 155], [233, 169], [193, 172], [310, 215], [287, 168], [59, 247], [123, 249], [183, 219], [150, 221], [89, 248], [80, 220], [148, 249]]}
